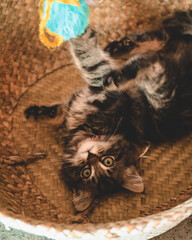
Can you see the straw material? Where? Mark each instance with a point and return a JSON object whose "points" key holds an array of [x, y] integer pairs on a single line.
{"points": [[166, 171], [31, 74]]}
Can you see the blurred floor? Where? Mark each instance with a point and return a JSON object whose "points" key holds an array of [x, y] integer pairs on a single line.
{"points": [[183, 231]]}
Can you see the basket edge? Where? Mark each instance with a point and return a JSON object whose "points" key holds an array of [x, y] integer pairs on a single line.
{"points": [[145, 227]]}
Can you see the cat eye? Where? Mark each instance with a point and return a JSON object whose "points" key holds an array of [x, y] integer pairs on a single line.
{"points": [[86, 173], [108, 161]]}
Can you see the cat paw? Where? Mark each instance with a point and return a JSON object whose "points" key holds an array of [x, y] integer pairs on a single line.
{"points": [[89, 38], [123, 46], [89, 33], [32, 111], [113, 77], [42, 112]]}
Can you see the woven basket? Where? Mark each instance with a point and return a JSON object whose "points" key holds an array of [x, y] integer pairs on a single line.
{"points": [[32, 196]]}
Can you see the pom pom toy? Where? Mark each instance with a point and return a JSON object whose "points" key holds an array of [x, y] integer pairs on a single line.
{"points": [[62, 20]]}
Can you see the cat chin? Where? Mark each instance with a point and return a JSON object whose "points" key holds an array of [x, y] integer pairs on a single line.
{"points": [[94, 138], [88, 144]]}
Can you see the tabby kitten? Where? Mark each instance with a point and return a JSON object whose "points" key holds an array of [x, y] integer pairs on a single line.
{"points": [[106, 125]]}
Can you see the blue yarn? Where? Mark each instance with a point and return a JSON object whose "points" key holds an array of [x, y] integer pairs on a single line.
{"points": [[66, 20]]}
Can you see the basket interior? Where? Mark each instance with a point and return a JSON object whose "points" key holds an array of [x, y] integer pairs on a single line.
{"points": [[31, 74], [166, 169]]}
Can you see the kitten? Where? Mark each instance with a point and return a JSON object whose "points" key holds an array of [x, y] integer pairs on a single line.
{"points": [[106, 125]]}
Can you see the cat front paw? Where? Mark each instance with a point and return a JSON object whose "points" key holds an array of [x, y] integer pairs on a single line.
{"points": [[89, 33], [123, 46], [89, 38]]}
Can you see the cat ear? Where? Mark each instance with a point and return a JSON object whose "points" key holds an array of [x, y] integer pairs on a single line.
{"points": [[131, 180], [82, 198]]}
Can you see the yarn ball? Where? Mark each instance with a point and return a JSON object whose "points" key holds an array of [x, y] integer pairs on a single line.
{"points": [[63, 21]]}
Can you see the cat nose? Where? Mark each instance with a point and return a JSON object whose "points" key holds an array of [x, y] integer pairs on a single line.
{"points": [[92, 158]]}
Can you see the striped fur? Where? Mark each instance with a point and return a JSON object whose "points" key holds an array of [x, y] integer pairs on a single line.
{"points": [[148, 99]]}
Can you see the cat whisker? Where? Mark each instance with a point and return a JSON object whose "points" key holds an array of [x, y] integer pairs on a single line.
{"points": [[142, 155], [116, 128], [64, 165], [146, 157], [110, 132]]}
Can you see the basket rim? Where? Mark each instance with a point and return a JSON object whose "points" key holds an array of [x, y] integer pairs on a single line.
{"points": [[145, 227]]}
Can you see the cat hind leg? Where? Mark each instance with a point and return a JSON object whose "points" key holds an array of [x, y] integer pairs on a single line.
{"points": [[132, 41], [115, 48]]}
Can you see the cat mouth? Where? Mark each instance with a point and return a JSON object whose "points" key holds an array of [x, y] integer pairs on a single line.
{"points": [[94, 138]]}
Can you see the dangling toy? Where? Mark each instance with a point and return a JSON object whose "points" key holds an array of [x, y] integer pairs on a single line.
{"points": [[62, 20]]}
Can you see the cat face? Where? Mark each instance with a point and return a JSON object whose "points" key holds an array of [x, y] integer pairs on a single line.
{"points": [[96, 165]]}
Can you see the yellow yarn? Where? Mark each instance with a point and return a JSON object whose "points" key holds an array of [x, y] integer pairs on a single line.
{"points": [[58, 40]]}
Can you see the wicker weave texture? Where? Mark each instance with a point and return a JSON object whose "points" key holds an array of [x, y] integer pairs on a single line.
{"points": [[166, 170], [27, 72]]}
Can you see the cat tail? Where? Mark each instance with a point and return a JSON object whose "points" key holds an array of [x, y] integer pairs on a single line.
{"points": [[179, 24]]}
